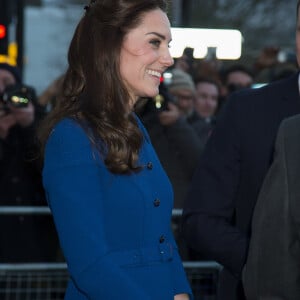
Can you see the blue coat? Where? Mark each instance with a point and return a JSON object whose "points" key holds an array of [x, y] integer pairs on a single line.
{"points": [[114, 229]]}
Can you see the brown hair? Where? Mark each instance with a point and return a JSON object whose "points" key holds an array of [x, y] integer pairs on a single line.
{"points": [[93, 89]]}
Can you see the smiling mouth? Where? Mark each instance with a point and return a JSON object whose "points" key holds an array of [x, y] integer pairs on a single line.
{"points": [[154, 73]]}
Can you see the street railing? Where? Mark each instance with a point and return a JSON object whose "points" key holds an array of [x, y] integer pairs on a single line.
{"points": [[48, 281]]}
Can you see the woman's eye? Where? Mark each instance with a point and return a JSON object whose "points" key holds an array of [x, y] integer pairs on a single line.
{"points": [[155, 43]]}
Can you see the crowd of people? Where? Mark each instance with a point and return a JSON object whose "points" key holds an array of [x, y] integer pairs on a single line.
{"points": [[231, 177], [97, 144], [23, 237]]}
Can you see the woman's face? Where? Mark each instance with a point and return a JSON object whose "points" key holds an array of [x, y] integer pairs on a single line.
{"points": [[145, 55]]}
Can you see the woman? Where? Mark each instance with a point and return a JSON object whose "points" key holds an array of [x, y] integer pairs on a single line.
{"points": [[109, 196]]}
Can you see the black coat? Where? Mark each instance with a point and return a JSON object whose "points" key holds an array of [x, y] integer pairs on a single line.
{"points": [[272, 268], [218, 211], [24, 238]]}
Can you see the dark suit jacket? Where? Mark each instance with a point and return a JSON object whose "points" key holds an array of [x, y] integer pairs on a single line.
{"points": [[272, 270], [218, 211]]}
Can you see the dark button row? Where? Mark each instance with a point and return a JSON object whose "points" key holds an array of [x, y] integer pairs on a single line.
{"points": [[162, 239], [150, 165], [156, 202]]}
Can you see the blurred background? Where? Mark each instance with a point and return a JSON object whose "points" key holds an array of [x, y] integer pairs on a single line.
{"points": [[46, 27]]}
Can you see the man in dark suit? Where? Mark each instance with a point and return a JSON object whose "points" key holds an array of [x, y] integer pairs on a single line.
{"points": [[218, 211], [272, 269]]}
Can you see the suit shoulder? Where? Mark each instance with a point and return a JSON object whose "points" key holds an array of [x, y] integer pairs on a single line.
{"points": [[290, 129], [292, 122], [267, 99], [276, 89]]}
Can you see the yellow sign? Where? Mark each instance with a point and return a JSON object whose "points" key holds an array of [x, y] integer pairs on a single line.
{"points": [[12, 54]]}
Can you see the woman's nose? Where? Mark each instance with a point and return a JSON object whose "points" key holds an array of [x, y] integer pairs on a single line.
{"points": [[167, 58]]}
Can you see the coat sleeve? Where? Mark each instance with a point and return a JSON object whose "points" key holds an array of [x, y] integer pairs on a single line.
{"points": [[73, 182], [210, 205], [269, 223], [180, 282]]}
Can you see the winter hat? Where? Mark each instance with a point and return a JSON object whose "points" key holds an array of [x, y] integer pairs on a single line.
{"points": [[181, 81], [13, 70]]}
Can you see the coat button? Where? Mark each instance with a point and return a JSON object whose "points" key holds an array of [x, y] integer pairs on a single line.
{"points": [[150, 165], [156, 202], [161, 239]]}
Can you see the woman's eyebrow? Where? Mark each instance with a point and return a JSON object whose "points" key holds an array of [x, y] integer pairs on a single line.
{"points": [[158, 34], [163, 37]]}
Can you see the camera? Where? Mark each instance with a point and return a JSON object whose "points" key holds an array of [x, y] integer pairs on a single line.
{"points": [[17, 96]]}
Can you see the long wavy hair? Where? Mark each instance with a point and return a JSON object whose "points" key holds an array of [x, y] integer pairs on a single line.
{"points": [[93, 91]]}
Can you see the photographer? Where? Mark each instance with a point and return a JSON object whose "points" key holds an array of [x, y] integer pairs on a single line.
{"points": [[22, 237]]}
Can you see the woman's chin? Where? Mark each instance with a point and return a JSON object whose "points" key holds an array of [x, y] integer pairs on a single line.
{"points": [[152, 94]]}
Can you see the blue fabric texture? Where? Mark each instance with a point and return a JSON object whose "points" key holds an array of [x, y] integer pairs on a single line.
{"points": [[114, 229]]}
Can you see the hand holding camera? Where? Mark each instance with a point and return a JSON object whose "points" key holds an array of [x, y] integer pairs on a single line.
{"points": [[24, 116]]}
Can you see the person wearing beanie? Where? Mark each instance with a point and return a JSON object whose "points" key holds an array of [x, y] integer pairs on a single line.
{"points": [[23, 238], [183, 90], [181, 80]]}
